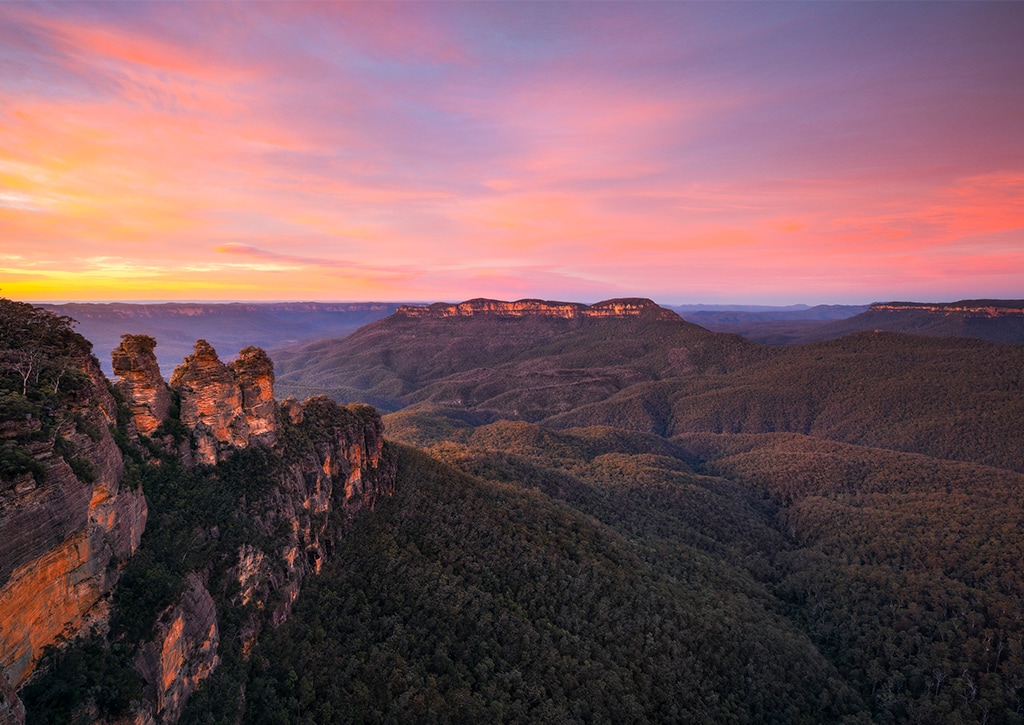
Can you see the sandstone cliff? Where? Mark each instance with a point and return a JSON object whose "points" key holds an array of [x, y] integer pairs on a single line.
{"points": [[979, 308], [211, 404], [181, 655], [66, 520], [255, 375], [617, 308], [226, 407]]}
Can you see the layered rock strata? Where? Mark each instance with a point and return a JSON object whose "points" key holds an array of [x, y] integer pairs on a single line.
{"points": [[616, 308], [211, 404], [63, 531], [342, 473], [254, 373], [979, 308]]}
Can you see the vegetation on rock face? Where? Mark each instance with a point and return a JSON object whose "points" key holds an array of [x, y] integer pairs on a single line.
{"points": [[41, 361]]}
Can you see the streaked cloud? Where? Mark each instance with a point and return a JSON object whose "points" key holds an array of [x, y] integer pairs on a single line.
{"points": [[684, 151]]}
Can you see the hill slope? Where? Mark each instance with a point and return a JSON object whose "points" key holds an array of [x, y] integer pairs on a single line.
{"points": [[992, 320], [536, 363], [947, 397]]}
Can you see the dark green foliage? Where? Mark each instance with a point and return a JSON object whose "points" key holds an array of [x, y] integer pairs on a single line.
{"points": [[469, 600], [198, 519], [40, 371], [81, 467], [907, 573], [38, 350], [91, 673], [944, 397], [948, 398], [537, 366], [16, 460]]}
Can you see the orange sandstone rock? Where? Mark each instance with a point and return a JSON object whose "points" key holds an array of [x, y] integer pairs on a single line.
{"points": [[61, 534], [182, 654], [211, 404], [617, 308], [140, 382], [255, 373]]}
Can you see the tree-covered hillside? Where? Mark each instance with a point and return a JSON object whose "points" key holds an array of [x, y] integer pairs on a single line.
{"points": [[471, 599]]}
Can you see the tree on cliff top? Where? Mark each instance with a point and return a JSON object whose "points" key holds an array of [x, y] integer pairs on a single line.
{"points": [[36, 346]]}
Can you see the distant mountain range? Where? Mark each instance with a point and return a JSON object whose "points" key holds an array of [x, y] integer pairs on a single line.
{"points": [[231, 326], [228, 327], [649, 370], [992, 320]]}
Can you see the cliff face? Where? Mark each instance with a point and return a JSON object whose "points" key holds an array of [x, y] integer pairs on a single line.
{"points": [[975, 308], [254, 373], [211, 404], [67, 521], [617, 308], [63, 527], [182, 654], [343, 472]]}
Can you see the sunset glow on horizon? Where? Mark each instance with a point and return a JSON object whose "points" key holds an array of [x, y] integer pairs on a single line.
{"points": [[768, 153]]}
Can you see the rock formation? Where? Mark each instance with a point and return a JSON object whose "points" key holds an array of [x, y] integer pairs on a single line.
{"points": [[255, 374], [226, 407], [628, 307], [979, 308], [211, 404], [67, 519], [341, 474], [63, 527], [140, 382]]}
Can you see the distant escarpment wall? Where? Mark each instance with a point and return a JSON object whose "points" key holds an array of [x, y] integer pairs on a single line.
{"points": [[986, 308], [617, 308]]}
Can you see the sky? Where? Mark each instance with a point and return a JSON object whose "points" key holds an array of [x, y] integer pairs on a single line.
{"points": [[765, 153]]}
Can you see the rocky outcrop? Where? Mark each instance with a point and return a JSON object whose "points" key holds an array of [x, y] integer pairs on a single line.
{"points": [[140, 381], [617, 308], [254, 372], [181, 655], [12, 711], [343, 472], [211, 404], [64, 528], [67, 521], [226, 407]]}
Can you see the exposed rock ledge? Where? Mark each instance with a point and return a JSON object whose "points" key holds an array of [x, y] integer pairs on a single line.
{"points": [[982, 308], [617, 308]]}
